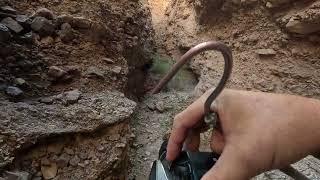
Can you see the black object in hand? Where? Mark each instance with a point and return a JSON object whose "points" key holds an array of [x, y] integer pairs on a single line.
{"points": [[188, 166]]}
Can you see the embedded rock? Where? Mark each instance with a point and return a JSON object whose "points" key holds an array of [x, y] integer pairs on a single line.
{"points": [[24, 20], [305, 21], [56, 72], [72, 97], [24, 124], [8, 9], [12, 24], [46, 13], [14, 91], [49, 171], [295, 25], [4, 33], [277, 3], [17, 175], [43, 26], [66, 33], [266, 52]]}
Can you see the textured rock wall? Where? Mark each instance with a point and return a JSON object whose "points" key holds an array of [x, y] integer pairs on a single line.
{"points": [[64, 69]]}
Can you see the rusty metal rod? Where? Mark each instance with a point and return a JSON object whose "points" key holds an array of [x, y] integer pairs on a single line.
{"points": [[290, 171], [210, 45]]}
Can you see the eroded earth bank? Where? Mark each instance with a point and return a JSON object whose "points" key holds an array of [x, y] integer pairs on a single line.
{"points": [[70, 74], [74, 76]]}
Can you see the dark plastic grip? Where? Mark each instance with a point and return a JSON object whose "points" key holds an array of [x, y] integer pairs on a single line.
{"points": [[188, 165]]}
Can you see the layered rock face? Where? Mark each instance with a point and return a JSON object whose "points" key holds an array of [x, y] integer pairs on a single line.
{"points": [[66, 68], [275, 46]]}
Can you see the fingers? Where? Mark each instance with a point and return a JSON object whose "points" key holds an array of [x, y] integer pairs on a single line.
{"points": [[182, 123], [192, 141], [217, 141], [229, 166]]}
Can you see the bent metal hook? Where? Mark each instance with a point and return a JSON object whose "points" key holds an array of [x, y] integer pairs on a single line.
{"points": [[210, 45]]}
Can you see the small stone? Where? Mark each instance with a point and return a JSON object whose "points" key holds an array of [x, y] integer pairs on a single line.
{"points": [[43, 26], [45, 162], [114, 137], [5, 34], [83, 155], [69, 151], [94, 71], [8, 9], [27, 38], [82, 165], [55, 148], [47, 40], [72, 97], [63, 160], [120, 145], [56, 72], [91, 155], [38, 174], [108, 60], [100, 148], [12, 24], [49, 171], [24, 20], [72, 69], [266, 52], [135, 145], [46, 13], [64, 19], [75, 161], [151, 106], [160, 106], [17, 175], [116, 69], [14, 91], [66, 33], [86, 162], [269, 5], [20, 82], [148, 153], [81, 23], [47, 100], [132, 135]]}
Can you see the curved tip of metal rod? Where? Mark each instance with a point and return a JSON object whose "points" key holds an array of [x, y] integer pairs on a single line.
{"points": [[205, 46]]}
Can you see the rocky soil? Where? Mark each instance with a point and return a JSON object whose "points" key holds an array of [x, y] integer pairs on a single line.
{"points": [[269, 53], [67, 70], [152, 122]]}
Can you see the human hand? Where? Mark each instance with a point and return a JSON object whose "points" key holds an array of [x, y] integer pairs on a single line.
{"points": [[259, 132]]}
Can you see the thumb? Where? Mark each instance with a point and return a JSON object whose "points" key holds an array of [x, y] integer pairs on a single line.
{"points": [[230, 166]]}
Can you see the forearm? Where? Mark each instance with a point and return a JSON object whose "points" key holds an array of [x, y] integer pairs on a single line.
{"points": [[300, 131]]}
